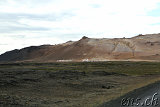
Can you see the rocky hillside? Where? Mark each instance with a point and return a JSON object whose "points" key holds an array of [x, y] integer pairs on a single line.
{"points": [[141, 47]]}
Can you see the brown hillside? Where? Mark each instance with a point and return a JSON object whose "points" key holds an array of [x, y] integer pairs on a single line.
{"points": [[141, 47]]}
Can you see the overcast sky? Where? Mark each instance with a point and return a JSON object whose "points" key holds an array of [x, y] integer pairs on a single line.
{"points": [[36, 22]]}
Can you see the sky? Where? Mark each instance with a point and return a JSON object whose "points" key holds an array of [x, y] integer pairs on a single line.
{"points": [[36, 22]]}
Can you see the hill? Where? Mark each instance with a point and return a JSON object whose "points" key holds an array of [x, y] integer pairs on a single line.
{"points": [[141, 47]]}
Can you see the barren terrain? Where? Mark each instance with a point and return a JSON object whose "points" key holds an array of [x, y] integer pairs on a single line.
{"points": [[80, 84]]}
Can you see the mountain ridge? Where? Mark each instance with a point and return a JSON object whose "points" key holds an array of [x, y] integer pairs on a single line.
{"points": [[141, 47]]}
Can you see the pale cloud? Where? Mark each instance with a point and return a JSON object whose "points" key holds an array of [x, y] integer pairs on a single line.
{"points": [[36, 22]]}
